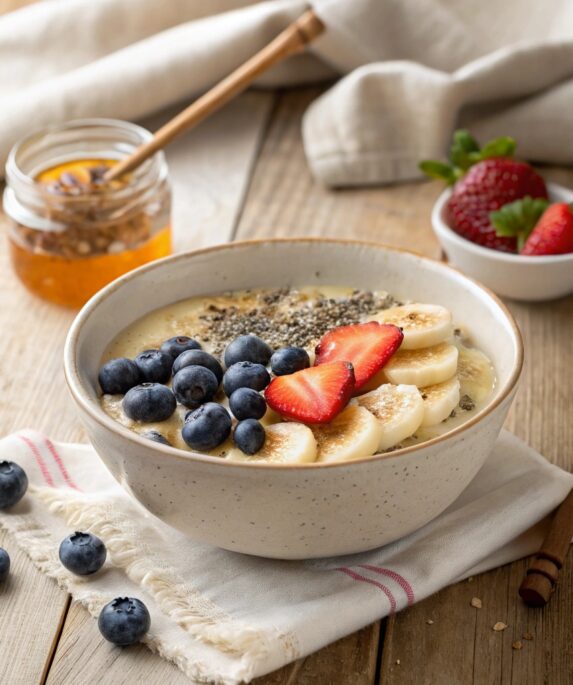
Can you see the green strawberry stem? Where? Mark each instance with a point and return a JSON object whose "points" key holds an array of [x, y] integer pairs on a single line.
{"points": [[464, 153], [517, 219]]}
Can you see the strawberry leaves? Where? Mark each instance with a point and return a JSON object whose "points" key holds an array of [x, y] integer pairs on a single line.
{"points": [[464, 153], [518, 219]]}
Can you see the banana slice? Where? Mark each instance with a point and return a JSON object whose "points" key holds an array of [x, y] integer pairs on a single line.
{"points": [[475, 373], [425, 367], [423, 325], [285, 443], [353, 434], [398, 408], [439, 401]]}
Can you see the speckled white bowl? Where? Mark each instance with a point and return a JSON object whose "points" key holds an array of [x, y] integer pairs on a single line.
{"points": [[284, 511], [520, 277]]}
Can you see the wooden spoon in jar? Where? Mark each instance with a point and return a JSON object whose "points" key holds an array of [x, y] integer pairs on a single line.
{"points": [[293, 39]]}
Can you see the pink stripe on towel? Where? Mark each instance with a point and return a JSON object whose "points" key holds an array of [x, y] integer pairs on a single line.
{"points": [[363, 579], [402, 582], [57, 458], [39, 459]]}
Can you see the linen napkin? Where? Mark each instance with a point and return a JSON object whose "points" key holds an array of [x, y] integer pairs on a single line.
{"points": [[412, 70], [226, 617]]}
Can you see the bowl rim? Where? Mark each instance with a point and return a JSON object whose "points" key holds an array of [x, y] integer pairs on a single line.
{"points": [[441, 228], [85, 402]]}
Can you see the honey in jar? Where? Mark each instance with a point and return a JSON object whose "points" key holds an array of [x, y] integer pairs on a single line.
{"points": [[71, 231]]}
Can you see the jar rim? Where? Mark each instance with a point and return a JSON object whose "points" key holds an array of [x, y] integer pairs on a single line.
{"points": [[140, 176]]}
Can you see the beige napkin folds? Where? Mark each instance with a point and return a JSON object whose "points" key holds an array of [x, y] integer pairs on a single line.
{"points": [[409, 71]]}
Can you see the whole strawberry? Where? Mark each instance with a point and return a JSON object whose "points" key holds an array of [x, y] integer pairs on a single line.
{"points": [[483, 181]]}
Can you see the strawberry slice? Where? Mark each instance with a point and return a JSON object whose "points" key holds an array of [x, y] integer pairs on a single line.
{"points": [[313, 395], [367, 346]]}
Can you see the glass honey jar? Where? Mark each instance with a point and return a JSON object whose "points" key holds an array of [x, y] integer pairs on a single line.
{"points": [[70, 231]]}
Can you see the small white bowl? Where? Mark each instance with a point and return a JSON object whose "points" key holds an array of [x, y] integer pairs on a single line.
{"points": [[312, 510], [510, 275]]}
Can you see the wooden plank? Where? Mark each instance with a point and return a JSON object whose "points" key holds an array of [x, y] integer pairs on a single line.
{"points": [[211, 170], [351, 660], [33, 608], [284, 200]]}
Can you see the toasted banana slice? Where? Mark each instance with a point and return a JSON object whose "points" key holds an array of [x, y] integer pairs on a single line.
{"points": [[285, 443], [425, 367], [423, 325], [353, 434], [476, 374], [399, 409], [440, 400]]}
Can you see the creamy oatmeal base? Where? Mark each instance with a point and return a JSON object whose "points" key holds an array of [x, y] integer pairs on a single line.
{"points": [[282, 317]]}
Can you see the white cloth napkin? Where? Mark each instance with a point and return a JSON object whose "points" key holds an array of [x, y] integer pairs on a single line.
{"points": [[227, 617], [414, 69]]}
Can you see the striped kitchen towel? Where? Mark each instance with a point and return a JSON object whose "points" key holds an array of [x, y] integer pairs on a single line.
{"points": [[225, 617]]}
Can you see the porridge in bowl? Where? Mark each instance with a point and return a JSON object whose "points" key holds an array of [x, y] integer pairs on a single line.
{"points": [[295, 375]]}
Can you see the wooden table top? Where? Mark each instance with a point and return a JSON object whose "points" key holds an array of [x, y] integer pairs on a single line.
{"points": [[249, 179]]}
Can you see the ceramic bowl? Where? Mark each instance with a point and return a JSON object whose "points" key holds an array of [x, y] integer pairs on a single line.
{"points": [[293, 512], [520, 278]]}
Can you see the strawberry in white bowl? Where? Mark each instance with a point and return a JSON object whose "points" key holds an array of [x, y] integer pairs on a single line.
{"points": [[501, 223]]}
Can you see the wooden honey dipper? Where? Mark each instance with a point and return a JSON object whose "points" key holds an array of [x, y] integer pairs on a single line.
{"points": [[293, 39], [539, 583]]}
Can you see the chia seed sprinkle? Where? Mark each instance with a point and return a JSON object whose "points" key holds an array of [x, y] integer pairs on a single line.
{"points": [[288, 317]]}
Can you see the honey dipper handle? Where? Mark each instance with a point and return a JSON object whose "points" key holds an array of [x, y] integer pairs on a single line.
{"points": [[542, 576], [291, 40]]}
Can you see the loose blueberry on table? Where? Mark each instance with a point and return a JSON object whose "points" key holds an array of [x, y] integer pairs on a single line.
{"points": [[194, 385], [82, 553], [124, 621], [247, 348], [4, 564], [13, 484], [118, 376], [246, 403], [149, 402], [245, 375], [206, 427]]}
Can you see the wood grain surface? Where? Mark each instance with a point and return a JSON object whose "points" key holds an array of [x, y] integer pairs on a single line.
{"points": [[263, 189]]}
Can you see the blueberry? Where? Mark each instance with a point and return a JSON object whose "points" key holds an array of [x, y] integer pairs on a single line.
{"points": [[245, 375], [175, 346], [154, 366], [206, 427], [249, 436], [4, 564], [118, 376], [82, 553], [124, 621], [13, 484], [149, 402], [156, 436], [246, 403], [194, 385], [198, 358], [288, 360], [247, 348]]}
